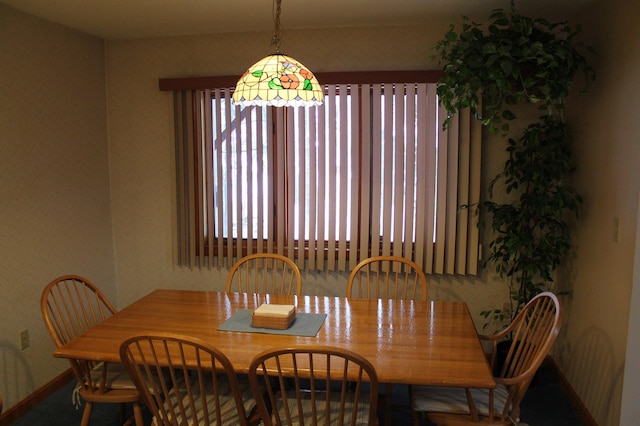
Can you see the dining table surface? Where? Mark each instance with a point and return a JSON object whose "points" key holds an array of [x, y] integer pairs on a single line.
{"points": [[407, 341]]}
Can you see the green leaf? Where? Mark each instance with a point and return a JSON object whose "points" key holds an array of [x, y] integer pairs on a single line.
{"points": [[275, 84], [489, 49], [508, 115], [508, 63], [507, 67]]}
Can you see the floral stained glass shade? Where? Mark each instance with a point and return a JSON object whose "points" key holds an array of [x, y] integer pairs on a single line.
{"points": [[278, 80]]}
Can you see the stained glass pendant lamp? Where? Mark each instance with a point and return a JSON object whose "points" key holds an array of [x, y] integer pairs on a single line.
{"points": [[278, 80]]}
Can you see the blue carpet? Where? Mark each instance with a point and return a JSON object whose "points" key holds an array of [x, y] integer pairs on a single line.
{"points": [[545, 404], [59, 410]]}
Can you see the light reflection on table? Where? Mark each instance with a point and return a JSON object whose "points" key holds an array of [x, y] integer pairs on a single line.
{"points": [[409, 342]]}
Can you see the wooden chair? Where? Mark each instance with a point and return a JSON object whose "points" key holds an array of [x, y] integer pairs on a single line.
{"points": [[265, 273], [308, 385], [70, 306], [532, 333], [206, 391], [387, 277]]}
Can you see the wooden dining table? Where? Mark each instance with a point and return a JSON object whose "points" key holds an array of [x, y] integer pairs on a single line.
{"points": [[408, 342]]}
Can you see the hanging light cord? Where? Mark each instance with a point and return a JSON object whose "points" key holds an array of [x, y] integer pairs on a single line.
{"points": [[275, 40]]}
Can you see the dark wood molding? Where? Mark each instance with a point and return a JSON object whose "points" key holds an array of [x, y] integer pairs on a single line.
{"points": [[360, 77], [36, 397]]}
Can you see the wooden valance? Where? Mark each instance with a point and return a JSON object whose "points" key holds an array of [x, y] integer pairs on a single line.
{"points": [[360, 77]]}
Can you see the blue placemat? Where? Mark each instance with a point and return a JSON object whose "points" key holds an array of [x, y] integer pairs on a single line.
{"points": [[304, 325]]}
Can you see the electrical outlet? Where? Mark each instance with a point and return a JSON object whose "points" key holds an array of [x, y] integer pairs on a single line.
{"points": [[24, 339]]}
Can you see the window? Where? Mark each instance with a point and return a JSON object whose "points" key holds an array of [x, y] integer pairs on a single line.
{"points": [[369, 172]]}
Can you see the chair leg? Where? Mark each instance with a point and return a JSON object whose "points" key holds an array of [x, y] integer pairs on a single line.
{"points": [[86, 414], [137, 418], [137, 413]]}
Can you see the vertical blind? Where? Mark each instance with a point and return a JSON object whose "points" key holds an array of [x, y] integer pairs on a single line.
{"points": [[370, 172]]}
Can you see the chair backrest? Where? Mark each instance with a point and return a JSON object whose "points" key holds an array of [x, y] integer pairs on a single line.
{"points": [[308, 384], [265, 273], [532, 332], [387, 277], [70, 306], [205, 392]]}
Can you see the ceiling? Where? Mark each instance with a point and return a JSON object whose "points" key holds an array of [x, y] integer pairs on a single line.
{"points": [[128, 19]]}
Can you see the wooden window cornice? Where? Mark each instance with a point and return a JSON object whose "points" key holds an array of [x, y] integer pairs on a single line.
{"points": [[354, 77]]}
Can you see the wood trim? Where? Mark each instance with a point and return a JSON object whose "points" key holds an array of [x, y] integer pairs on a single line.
{"points": [[573, 397], [36, 397], [361, 77]]}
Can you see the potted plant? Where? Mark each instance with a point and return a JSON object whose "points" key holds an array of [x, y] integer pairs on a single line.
{"points": [[517, 64]]}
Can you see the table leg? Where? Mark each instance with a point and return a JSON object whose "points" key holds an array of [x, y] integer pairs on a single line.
{"points": [[388, 403]]}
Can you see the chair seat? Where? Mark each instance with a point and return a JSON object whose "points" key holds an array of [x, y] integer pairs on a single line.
{"points": [[228, 409], [117, 376], [362, 414], [435, 399], [116, 381], [108, 395]]}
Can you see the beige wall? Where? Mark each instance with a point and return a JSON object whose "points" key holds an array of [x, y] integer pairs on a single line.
{"points": [[140, 158], [141, 146], [55, 213], [606, 134]]}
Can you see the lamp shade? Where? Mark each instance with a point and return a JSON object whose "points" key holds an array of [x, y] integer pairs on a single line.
{"points": [[278, 80]]}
